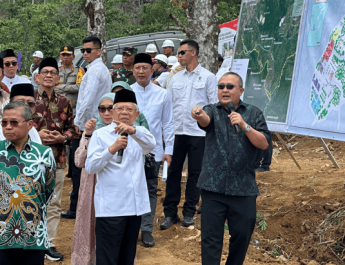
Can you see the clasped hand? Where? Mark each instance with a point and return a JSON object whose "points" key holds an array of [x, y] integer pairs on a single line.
{"points": [[51, 137]]}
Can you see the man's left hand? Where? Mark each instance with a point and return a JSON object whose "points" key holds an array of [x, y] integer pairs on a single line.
{"points": [[55, 138], [236, 118], [124, 128], [167, 158]]}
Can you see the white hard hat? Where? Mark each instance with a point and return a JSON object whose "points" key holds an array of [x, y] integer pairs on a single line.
{"points": [[168, 43], [172, 60], [117, 58], [38, 54], [162, 57], [151, 48]]}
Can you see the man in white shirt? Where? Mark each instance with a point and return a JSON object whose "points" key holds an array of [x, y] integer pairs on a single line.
{"points": [[161, 73], [121, 195], [193, 86], [94, 84], [10, 69], [25, 93], [155, 103]]}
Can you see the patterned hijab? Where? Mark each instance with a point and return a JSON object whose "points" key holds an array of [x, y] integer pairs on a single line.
{"points": [[100, 123]]}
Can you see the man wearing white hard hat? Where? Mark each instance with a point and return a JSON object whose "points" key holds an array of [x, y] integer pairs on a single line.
{"points": [[168, 48], [160, 72], [171, 61], [38, 56], [151, 50], [117, 62]]}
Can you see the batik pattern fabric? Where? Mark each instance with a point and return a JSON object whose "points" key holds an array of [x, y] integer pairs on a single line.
{"points": [[4, 100], [56, 114], [26, 188], [229, 161]]}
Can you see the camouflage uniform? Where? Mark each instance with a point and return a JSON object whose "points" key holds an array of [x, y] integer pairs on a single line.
{"points": [[123, 75], [70, 80]]}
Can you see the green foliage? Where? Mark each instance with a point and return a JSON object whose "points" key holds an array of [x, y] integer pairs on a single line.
{"points": [[228, 10], [261, 221], [275, 252]]}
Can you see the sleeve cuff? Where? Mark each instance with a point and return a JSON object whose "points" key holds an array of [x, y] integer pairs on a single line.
{"points": [[138, 131], [106, 155], [169, 150]]}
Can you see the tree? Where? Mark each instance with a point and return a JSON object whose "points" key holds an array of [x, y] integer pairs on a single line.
{"points": [[94, 10]]}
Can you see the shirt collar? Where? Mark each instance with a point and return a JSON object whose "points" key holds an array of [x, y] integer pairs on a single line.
{"points": [[43, 93], [96, 61], [27, 146], [240, 104], [143, 88], [197, 70]]}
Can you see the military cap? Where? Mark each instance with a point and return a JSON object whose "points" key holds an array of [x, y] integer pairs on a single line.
{"points": [[130, 50], [67, 49]]}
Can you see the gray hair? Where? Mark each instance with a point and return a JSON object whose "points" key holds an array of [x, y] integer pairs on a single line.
{"points": [[136, 106], [240, 82], [25, 110]]}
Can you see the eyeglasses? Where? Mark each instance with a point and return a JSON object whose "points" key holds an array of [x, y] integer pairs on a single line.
{"points": [[144, 68], [104, 109], [183, 52], [31, 104], [8, 64], [13, 123], [119, 109], [228, 86], [46, 72], [88, 50]]}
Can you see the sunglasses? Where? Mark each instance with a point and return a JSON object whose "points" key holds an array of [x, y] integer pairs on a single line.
{"points": [[228, 86], [183, 52], [8, 64], [13, 123], [88, 50], [46, 72], [104, 109]]}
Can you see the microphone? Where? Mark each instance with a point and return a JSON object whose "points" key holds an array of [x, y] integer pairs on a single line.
{"points": [[120, 152], [231, 107]]}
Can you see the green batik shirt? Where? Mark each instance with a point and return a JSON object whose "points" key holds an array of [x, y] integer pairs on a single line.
{"points": [[27, 182], [123, 75]]}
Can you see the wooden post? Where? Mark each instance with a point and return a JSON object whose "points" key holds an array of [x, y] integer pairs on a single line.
{"points": [[328, 152], [287, 149]]}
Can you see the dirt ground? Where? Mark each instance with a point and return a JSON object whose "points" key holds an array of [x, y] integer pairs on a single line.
{"points": [[304, 211]]}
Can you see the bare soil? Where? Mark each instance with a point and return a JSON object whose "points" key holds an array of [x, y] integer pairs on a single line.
{"points": [[304, 211]]}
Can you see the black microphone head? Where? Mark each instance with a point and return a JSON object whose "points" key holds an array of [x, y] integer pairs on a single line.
{"points": [[124, 134], [230, 105]]}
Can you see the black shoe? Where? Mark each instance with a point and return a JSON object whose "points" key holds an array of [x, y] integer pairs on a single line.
{"points": [[147, 239], [53, 255], [169, 221], [198, 211], [261, 169], [68, 176], [68, 214], [187, 221]]}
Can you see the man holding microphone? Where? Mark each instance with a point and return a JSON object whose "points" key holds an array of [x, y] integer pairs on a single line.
{"points": [[227, 179]]}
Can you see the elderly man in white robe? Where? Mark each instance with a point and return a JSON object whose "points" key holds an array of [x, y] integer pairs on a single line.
{"points": [[121, 194]]}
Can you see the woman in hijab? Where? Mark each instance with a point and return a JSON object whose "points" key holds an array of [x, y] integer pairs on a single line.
{"points": [[84, 241]]}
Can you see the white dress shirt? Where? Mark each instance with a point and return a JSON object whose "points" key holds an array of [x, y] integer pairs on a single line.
{"points": [[34, 136], [9, 82], [162, 79], [155, 103], [121, 189], [94, 84], [187, 90]]}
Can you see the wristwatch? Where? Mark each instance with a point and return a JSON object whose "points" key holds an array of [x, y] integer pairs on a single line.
{"points": [[65, 142], [247, 128]]}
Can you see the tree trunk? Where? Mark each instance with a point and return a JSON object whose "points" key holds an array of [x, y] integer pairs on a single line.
{"points": [[203, 27], [94, 10]]}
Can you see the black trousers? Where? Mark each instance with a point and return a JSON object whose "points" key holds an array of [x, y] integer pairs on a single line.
{"points": [[194, 146], [241, 215], [19, 256], [116, 239], [74, 172], [265, 156]]}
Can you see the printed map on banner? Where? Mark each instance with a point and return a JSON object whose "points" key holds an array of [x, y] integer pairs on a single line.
{"points": [[267, 36], [319, 90]]}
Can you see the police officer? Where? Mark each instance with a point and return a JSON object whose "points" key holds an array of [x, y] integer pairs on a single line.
{"points": [[126, 72], [70, 76]]}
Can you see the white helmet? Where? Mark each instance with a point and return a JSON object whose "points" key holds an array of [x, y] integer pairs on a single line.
{"points": [[162, 57], [151, 48], [168, 43], [172, 60], [38, 54], [117, 58]]}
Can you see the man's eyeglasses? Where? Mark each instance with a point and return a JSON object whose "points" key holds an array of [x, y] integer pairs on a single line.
{"points": [[13, 123], [8, 64], [31, 104], [120, 109], [183, 52], [145, 68], [228, 86], [46, 72], [88, 50], [104, 109]]}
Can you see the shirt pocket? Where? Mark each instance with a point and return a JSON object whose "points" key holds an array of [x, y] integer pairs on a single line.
{"points": [[198, 91]]}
